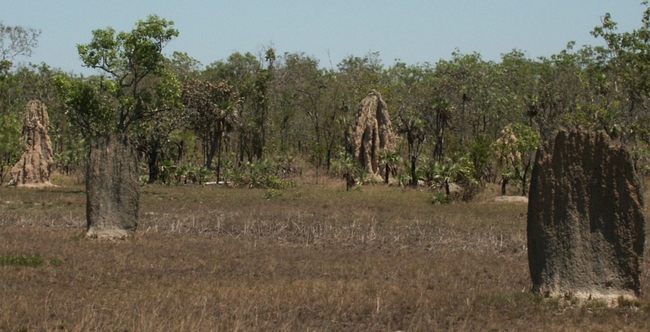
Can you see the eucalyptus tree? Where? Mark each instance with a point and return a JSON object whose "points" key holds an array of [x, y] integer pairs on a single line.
{"points": [[557, 96], [211, 113], [307, 98], [411, 96], [289, 116], [252, 81], [260, 98], [625, 59], [152, 137], [441, 120], [477, 93], [299, 94], [457, 84], [358, 76], [16, 41], [134, 86]]}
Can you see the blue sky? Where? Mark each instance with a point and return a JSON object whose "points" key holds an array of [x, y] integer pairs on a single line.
{"points": [[413, 31]]}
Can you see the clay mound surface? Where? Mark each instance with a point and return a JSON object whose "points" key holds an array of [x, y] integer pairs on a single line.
{"points": [[373, 132], [112, 188], [35, 165], [586, 228]]}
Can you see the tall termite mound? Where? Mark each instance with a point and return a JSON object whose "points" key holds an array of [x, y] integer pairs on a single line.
{"points": [[112, 188], [35, 166], [586, 228], [373, 132]]}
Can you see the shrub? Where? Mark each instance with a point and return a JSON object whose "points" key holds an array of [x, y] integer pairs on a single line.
{"points": [[272, 193], [440, 198]]}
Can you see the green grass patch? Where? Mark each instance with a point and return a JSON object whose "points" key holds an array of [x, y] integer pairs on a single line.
{"points": [[22, 260]]}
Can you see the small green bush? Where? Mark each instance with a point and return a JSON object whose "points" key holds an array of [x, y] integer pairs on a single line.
{"points": [[273, 182], [272, 193], [441, 198]]}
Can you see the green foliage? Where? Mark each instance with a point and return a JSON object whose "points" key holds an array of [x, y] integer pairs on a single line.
{"points": [[73, 157], [403, 179], [11, 147], [89, 104], [440, 198], [137, 52], [619, 81], [345, 165], [260, 114], [190, 173], [272, 193], [112, 103], [259, 174], [450, 170], [390, 160], [480, 155], [211, 113], [167, 173], [274, 182]]}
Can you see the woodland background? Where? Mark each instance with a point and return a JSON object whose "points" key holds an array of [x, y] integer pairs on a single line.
{"points": [[273, 115]]}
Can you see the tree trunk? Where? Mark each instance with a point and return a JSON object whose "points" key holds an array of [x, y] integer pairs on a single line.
{"points": [[504, 183], [219, 160], [214, 144], [154, 173], [414, 177], [387, 172], [153, 157], [524, 179], [329, 159], [240, 161], [112, 188], [440, 141]]}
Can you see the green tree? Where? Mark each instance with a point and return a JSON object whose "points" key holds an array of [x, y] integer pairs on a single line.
{"points": [[449, 171], [212, 113], [127, 59], [410, 93], [622, 85], [308, 109], [153, 136], [251, 81], [134, 87], [414, 128]]}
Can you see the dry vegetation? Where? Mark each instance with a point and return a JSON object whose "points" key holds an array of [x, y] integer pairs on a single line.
{"points": [[314, 257]]}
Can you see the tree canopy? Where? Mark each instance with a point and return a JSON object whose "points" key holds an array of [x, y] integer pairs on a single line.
{"points": [[287, 109]]}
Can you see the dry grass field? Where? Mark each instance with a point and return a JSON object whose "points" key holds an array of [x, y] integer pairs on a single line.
{"points": [[311, 258]]}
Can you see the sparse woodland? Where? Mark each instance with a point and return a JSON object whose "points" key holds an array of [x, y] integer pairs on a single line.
{"points": [[257, 118], [277, 243]]}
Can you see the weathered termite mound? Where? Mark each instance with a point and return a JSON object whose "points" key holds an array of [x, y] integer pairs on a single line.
{"points": [[35, 165], [373, 132], [112, 188], [585, 219]]}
